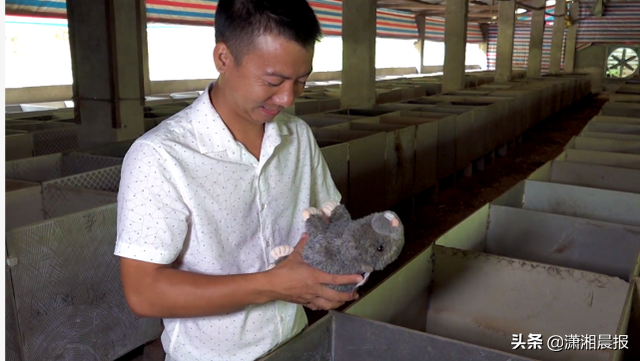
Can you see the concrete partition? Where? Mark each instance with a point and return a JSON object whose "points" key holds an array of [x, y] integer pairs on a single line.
{"points": [[342, 337], [556, 239], [527, 105], [67, 291], [609, 127], [620, 120], [18, 145], [631, 324], [399, 165], [314, 103], [619, 160], [575, 201], [446, 150], [81, 191], [337, 158], [494, 122], [23, 203], [29, 202], [325, 120], [485, 299], [621, 109], [425, 147], [387, 95], [53, 166], [548, 96], [44, 187], [367, 189], [612, 145], [49, 137], [589, 175], [616, 136], [114, 150], [374, 111]]}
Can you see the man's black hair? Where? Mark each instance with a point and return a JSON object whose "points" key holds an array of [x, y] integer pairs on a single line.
{"points": [[238, 23]]}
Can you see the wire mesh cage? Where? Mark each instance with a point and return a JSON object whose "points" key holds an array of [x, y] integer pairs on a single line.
{"points": [[67, 292]]}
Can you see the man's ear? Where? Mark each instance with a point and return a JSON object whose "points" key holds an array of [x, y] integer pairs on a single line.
{"points": [[222, 57]]}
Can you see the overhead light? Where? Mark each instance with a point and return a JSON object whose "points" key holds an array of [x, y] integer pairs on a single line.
{"points": [[521, 11], [551, 2]]}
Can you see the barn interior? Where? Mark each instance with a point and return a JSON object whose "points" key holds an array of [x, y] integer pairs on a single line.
{"points": [[505, 133]]}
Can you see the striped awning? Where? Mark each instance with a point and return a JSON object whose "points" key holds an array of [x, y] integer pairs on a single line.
{"points": [[390, 23], [619, 24], [521, 40], [549, 10], [434, 31]]}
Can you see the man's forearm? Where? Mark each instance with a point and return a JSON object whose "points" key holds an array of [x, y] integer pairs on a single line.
{"points": [[172, 293]]}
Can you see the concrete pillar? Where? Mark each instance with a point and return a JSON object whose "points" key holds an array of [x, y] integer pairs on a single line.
{"points": [[106, 56], [144, 44], [506, 31], [534, 61], [420, 23], [358, 53], [455, 45], [555, 61], [572, 33]]}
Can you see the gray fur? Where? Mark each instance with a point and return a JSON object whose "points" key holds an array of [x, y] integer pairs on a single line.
{"points": [[346, 246]]}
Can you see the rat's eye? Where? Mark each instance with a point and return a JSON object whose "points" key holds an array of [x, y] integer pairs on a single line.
{"points": [[380, 248]]}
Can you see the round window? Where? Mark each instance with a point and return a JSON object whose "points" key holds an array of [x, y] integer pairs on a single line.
{"points": [[622, 63]]}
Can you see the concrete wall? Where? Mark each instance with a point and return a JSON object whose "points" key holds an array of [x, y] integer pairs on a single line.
{"points": [[592, 60], [64, 92]]}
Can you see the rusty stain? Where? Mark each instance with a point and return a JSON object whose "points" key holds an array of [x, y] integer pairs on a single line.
{"points": [[493, 325], [590, 299], [563, 247], [599, 225], [632, 231]]}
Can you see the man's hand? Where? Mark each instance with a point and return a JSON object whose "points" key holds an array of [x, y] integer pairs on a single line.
{"points": [[298, 282], [155, 290]]}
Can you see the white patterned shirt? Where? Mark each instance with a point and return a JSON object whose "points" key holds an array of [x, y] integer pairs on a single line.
{"points": [[191, 195]]}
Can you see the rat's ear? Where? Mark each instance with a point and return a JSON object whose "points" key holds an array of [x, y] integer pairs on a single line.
{"points": [[392, 218]]}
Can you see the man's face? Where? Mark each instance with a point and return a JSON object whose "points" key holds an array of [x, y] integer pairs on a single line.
{"points": [[271, 75]]}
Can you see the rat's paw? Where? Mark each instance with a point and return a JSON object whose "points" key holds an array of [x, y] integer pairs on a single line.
{"points": [[281, 251], [365, 277], [309, 212], [328, 208]]}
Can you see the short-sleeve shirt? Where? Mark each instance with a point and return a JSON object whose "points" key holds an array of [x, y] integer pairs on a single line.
{"points": [[192, 196]]}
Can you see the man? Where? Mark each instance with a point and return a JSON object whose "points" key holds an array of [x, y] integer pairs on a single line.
{"points": [[207, 194]]}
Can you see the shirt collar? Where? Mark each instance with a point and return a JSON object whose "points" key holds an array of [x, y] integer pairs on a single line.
{"points": [[213, 135]]}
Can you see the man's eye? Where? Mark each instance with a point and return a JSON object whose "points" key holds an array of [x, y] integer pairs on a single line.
{"points": [[276, 84]]}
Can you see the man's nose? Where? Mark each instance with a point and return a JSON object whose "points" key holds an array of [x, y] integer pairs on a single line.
{"points": [[285, 96]]}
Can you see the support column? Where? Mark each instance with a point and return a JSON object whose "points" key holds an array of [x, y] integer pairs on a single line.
{"points": [[106, 56], [572, 34], [555, 61], [358, 53], [506, 31], [455, 45], [144, 44], [420, 23], [534, 61]]}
